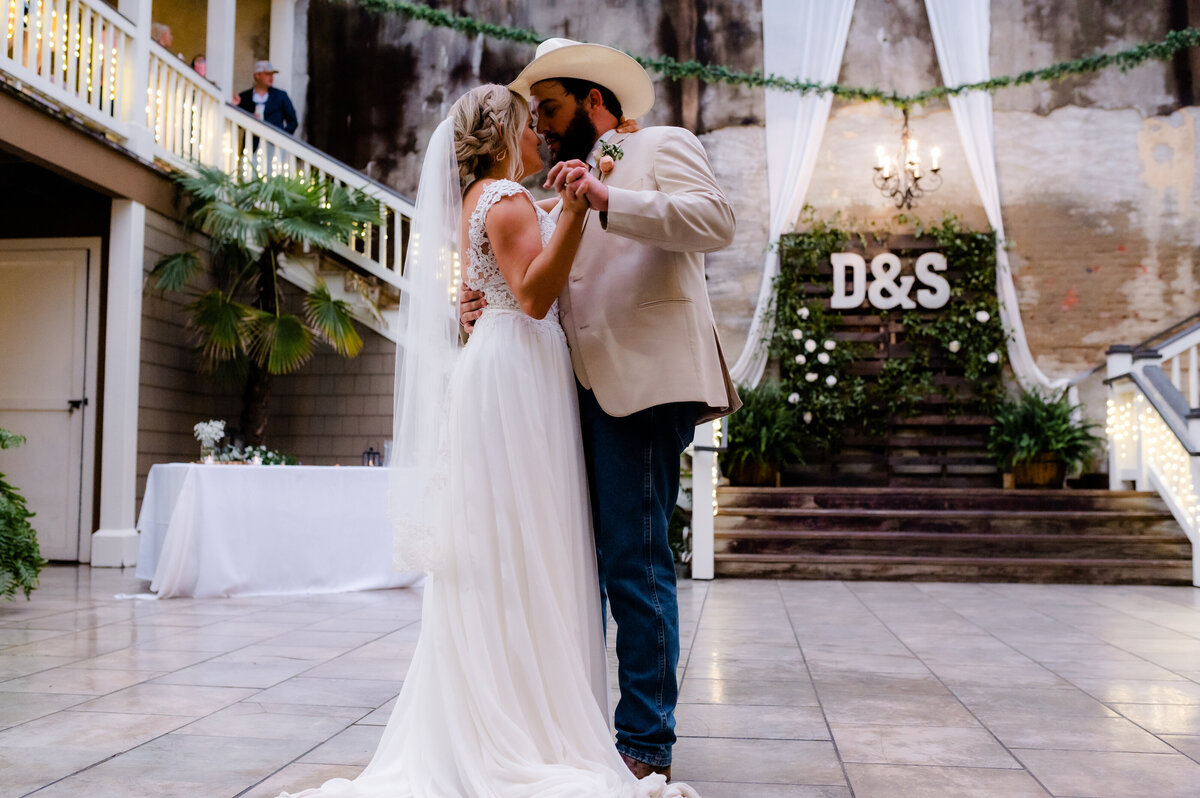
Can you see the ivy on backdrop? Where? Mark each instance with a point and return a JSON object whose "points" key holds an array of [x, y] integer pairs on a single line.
{"points": [[817, 373], [1162, 50]]}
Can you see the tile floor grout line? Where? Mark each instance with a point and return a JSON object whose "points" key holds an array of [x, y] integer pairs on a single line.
{"points": [[816, 692], [946, 687]]}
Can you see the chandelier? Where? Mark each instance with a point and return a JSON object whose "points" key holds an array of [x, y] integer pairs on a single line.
{"points": [[900, 178]]}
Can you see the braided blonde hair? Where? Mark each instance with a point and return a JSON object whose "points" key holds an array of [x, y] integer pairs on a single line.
{"points": [[488, 122]]}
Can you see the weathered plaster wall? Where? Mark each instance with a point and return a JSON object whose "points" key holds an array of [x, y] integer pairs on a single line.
{"points": [[1096, 173]]}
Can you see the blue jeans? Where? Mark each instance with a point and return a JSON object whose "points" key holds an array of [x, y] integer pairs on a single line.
{"points": [[633, 475]]}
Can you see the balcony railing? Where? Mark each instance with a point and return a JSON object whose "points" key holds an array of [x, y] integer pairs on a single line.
{"points": [[1153, 426], [75, 52], [84, 56]]}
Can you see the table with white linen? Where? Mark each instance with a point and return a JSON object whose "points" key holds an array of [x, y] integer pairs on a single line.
{"points": [[245, 530]]}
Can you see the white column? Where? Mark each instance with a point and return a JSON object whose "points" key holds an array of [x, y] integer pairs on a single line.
{"points": [[115, 543], [219, 50], [137, 75], [283, 37], [704, 488]]}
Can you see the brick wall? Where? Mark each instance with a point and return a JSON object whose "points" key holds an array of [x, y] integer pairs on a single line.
{"points": [[333, 409]]}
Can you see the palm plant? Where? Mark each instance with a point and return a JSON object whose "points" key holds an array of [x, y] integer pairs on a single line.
{"points": [[240, 326]]}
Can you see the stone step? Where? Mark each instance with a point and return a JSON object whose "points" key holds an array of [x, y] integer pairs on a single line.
{"points": [[956, 544], [955, 569]]}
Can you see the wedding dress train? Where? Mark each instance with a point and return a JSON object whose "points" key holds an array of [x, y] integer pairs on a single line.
{"points": [[506, 696]]}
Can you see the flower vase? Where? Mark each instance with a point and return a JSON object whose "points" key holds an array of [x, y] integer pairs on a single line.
{"points": [[206, 454]]}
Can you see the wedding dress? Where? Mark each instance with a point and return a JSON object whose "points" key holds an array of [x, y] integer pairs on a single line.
{"points": [[506, 696]]}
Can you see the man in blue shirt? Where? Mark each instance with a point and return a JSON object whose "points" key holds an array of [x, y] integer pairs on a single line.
{"points": [[266, 102]]}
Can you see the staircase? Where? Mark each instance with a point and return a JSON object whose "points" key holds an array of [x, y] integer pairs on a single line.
{"points": [[950, 534]]}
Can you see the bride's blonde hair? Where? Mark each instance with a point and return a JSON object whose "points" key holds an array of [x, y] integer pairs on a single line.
{"points": [[488, 121]]}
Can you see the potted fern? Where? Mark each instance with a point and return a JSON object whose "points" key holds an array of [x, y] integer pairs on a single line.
{"points": [[1039, 440], [761, 436]]}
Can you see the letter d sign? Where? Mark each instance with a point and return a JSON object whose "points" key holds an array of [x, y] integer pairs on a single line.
{"points": [[840, 300]]}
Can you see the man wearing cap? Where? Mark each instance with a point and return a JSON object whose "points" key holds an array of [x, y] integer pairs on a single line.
{"points": [[643, 344], [266, 102]]}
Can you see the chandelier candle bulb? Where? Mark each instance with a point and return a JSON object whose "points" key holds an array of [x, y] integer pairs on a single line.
{"points": [[935, 155]]}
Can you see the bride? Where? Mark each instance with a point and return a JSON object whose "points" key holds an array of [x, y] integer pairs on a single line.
{"points": [[506, 696]]}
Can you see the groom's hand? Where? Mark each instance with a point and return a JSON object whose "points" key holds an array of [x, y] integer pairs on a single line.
{"points": [[576, 178], [470, 306], [563, 172]]}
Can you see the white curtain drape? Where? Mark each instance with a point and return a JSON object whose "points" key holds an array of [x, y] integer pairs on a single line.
{"points": [[804, 39], [961, 35]]}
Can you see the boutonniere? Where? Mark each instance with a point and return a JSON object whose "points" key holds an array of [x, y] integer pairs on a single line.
{"points": [[609, 154]]}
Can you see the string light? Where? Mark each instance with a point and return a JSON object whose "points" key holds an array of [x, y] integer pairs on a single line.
{"points": [[716, 443]]}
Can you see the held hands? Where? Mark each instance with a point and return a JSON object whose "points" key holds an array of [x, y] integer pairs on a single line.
{"points": [[577, 186]]}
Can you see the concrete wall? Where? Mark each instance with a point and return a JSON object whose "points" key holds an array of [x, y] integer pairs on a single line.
{"points": [[1096, 173]]}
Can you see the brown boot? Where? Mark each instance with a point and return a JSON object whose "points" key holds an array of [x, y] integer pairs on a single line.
{"points": [[643, 769]]}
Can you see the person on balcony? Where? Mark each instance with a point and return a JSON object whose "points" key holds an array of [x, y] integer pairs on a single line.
{"points": [[266, 102]]}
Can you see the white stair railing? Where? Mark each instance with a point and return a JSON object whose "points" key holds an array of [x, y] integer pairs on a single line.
{"points": [[81, 56], [1153, 427], [77, 53]]}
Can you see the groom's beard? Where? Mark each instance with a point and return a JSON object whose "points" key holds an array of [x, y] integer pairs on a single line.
{"points": [[576, 141]]}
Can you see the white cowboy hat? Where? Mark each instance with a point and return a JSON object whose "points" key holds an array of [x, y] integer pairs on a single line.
{"points": [[612, 69]]}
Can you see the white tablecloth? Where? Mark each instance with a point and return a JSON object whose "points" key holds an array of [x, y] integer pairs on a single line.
{"points": [[231, 530]]}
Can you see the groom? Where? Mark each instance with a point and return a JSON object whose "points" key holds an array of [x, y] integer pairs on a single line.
{"points": [[643, 344]]}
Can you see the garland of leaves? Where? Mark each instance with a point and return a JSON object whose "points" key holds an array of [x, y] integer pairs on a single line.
{"points": [[1161, 50]]}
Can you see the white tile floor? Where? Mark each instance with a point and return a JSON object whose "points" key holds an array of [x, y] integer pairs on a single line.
{"points": [[790, 689]]}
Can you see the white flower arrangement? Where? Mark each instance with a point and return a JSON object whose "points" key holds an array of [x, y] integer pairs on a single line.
{"points": [[209, 432], [810, 345], [801, 360], [822, 358]]}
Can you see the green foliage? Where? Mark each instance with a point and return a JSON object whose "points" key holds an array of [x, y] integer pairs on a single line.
{"points": [[833, 401], [20, 557], [330, 318], [232, 454], [1162, 50], [763, 433], [1033, 424], [250, 223]]}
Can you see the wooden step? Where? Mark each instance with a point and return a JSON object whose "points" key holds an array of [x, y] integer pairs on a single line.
{"points": [[955, 569], [1090, 536], [921, 498], [1065, 545]]}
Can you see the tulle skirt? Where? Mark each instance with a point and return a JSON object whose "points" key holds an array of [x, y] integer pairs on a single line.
{"points": [[506, 695]]}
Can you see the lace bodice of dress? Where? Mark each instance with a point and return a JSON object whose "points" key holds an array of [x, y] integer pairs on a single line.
{"points": [[483, 273]]}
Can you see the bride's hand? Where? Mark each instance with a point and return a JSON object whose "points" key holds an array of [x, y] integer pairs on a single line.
{"points": [[574, 189]]}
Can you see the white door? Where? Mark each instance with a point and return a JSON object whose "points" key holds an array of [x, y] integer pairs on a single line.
{"points": [[43, 370]]}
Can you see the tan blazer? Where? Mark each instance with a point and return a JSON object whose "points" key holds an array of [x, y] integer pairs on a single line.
{"points": [[635, 308]]}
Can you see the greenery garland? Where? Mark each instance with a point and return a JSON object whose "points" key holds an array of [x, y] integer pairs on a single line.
{"points": [[670, 68]]}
